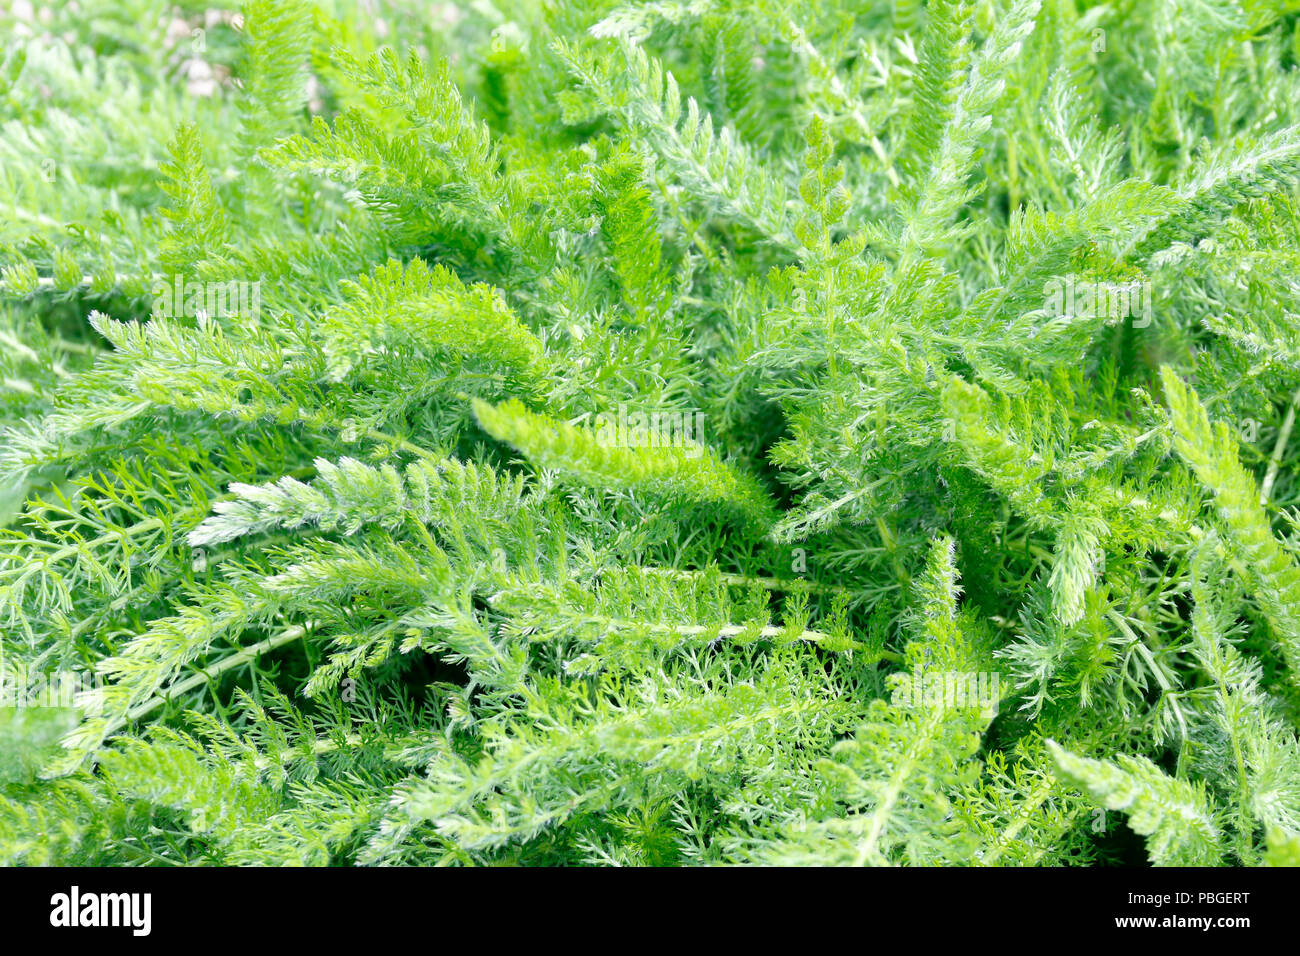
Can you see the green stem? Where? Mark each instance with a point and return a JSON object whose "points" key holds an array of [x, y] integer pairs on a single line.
{"points": [[1279, 449], [207, 674]]}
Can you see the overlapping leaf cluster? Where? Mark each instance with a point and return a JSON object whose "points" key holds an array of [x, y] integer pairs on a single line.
{"points": [[346, 358]]}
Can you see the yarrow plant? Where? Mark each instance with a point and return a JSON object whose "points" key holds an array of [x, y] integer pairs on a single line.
{"points": [[650, 433]]}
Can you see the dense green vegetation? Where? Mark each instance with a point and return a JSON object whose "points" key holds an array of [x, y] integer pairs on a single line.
{"points": [[668, 433]]}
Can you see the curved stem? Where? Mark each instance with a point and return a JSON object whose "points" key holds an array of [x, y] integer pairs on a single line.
{"points": [[208, 673], [1279, 449]]}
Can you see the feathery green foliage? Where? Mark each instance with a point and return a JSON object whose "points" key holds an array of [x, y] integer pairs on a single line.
{"points": [[652, 433]]}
